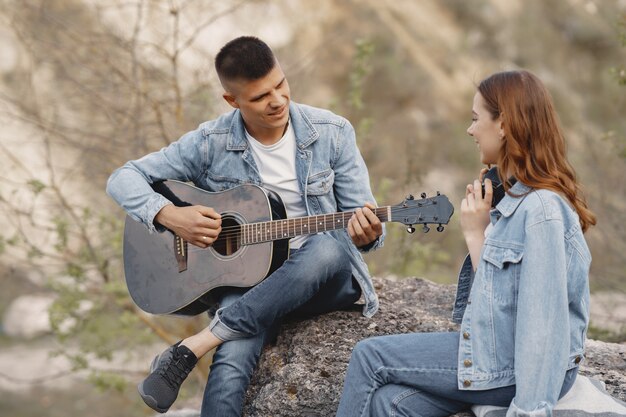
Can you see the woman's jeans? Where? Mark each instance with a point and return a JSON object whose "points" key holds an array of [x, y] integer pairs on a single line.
{"points": [[317, 278], [414, 375]]}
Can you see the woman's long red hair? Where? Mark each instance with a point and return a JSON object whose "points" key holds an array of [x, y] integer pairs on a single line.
{"points": [[534, 148]]}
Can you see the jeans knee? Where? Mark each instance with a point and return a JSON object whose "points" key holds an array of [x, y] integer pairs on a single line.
{"points": [[362, 352], [325, 251]]}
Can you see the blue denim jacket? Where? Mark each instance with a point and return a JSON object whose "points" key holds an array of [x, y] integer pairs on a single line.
{"points": [[216, 156], [524, 312]]}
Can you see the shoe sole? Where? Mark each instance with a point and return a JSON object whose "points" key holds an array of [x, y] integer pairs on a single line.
{"points": [[149, 400]]}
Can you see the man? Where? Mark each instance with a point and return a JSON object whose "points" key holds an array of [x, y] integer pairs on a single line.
{"points": [[310, 158]]}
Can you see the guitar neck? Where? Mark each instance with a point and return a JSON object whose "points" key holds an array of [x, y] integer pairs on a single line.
{"points": [[252, 233]]}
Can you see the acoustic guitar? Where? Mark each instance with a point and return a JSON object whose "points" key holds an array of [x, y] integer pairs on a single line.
{"points": [[166, 275]]}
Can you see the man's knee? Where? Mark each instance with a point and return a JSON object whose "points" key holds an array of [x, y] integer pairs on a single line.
{"points": [[325, 251]]}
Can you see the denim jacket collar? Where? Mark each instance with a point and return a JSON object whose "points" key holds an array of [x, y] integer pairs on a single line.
{"points": [[508, 204], [305, 133]]}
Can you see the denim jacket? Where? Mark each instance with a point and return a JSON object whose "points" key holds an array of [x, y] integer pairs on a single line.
{"points": [[525, 310], [216, 156]]}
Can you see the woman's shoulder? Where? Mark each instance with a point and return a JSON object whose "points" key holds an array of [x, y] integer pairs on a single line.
{"points": [[546, 205]]}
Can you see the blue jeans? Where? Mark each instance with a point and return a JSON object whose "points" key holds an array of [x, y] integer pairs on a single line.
{"points": [[414, 375], [316, 279]]}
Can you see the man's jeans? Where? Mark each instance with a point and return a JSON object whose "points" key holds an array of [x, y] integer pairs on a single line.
{"points": [[316, 279], [414, 375]]}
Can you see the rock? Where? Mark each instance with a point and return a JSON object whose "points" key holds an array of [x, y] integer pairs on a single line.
{"points": [[302, 373], [606, 362], [27, 316]]}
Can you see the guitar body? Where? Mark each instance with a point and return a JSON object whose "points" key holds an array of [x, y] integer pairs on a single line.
{"points": [[159, 282]]}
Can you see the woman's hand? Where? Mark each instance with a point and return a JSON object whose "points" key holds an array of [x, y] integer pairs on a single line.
{"points": [[475, 215]]}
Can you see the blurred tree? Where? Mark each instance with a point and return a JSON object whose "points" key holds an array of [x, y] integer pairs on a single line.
{"points": [[88, 93]]}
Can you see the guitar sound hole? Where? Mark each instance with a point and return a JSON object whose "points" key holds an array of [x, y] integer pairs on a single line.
{"points": [[229, 240]]}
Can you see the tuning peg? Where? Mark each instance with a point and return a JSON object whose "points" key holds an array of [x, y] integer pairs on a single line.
{"points": [[410, 197], [425, 229], [423, 195], [440, 228], [410, 229], [438, 193]]}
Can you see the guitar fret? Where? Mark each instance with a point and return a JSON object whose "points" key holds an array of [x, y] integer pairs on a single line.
{"points": [[273, 230]]}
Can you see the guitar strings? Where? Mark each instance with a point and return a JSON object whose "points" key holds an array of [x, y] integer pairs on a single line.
{"points": [[236, 230], [230, 231]]}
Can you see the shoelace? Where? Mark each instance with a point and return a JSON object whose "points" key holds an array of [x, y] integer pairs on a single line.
{"points": [[174, 371]]}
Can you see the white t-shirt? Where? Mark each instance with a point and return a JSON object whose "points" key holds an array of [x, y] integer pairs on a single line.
{"points": [[277, 167]]}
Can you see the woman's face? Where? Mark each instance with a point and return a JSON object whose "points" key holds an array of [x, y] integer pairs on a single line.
{"points": [[487, 133]]}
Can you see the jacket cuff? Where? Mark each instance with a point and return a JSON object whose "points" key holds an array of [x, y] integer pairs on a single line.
{"points": [[154, 205]]}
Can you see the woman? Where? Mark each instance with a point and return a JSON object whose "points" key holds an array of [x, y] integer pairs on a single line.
{"points": [[523, 295]]}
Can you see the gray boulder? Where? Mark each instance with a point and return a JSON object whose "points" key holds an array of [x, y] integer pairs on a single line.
{"points": [[302, 373]]}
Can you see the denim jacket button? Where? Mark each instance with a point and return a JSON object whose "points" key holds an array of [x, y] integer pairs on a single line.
{"points": [[467, 383], [465, 335], [577, 360], [467, 363]]}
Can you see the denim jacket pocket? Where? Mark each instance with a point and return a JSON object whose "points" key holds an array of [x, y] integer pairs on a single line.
{"points": [[502, 269], [220, 183], [499, 255], [321, 183]]}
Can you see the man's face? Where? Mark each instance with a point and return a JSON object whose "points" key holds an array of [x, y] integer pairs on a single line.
{"points": [[264, 103]]}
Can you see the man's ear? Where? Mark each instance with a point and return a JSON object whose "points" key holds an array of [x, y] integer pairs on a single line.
{"points": [[230, 99]]}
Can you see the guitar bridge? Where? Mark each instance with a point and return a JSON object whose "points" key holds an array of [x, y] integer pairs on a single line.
{"points": [[180, 246]]}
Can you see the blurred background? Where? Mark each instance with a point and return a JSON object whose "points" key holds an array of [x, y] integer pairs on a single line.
{"points": [[87, 85]]}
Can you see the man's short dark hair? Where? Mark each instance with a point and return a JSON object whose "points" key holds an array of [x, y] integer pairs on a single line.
{"points": [[246, 57]]}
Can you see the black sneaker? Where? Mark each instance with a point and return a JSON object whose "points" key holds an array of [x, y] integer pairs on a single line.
{"points": [[167, 372]]}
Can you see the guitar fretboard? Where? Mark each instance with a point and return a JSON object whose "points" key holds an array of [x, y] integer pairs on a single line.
{"points": [[252, 233]]}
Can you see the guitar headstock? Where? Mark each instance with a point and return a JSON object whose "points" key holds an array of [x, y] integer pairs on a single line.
{"points": [[426, 210]]}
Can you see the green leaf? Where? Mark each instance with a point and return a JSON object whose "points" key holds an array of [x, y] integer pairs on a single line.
{"points": [[105, 381], [36, 186]]}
